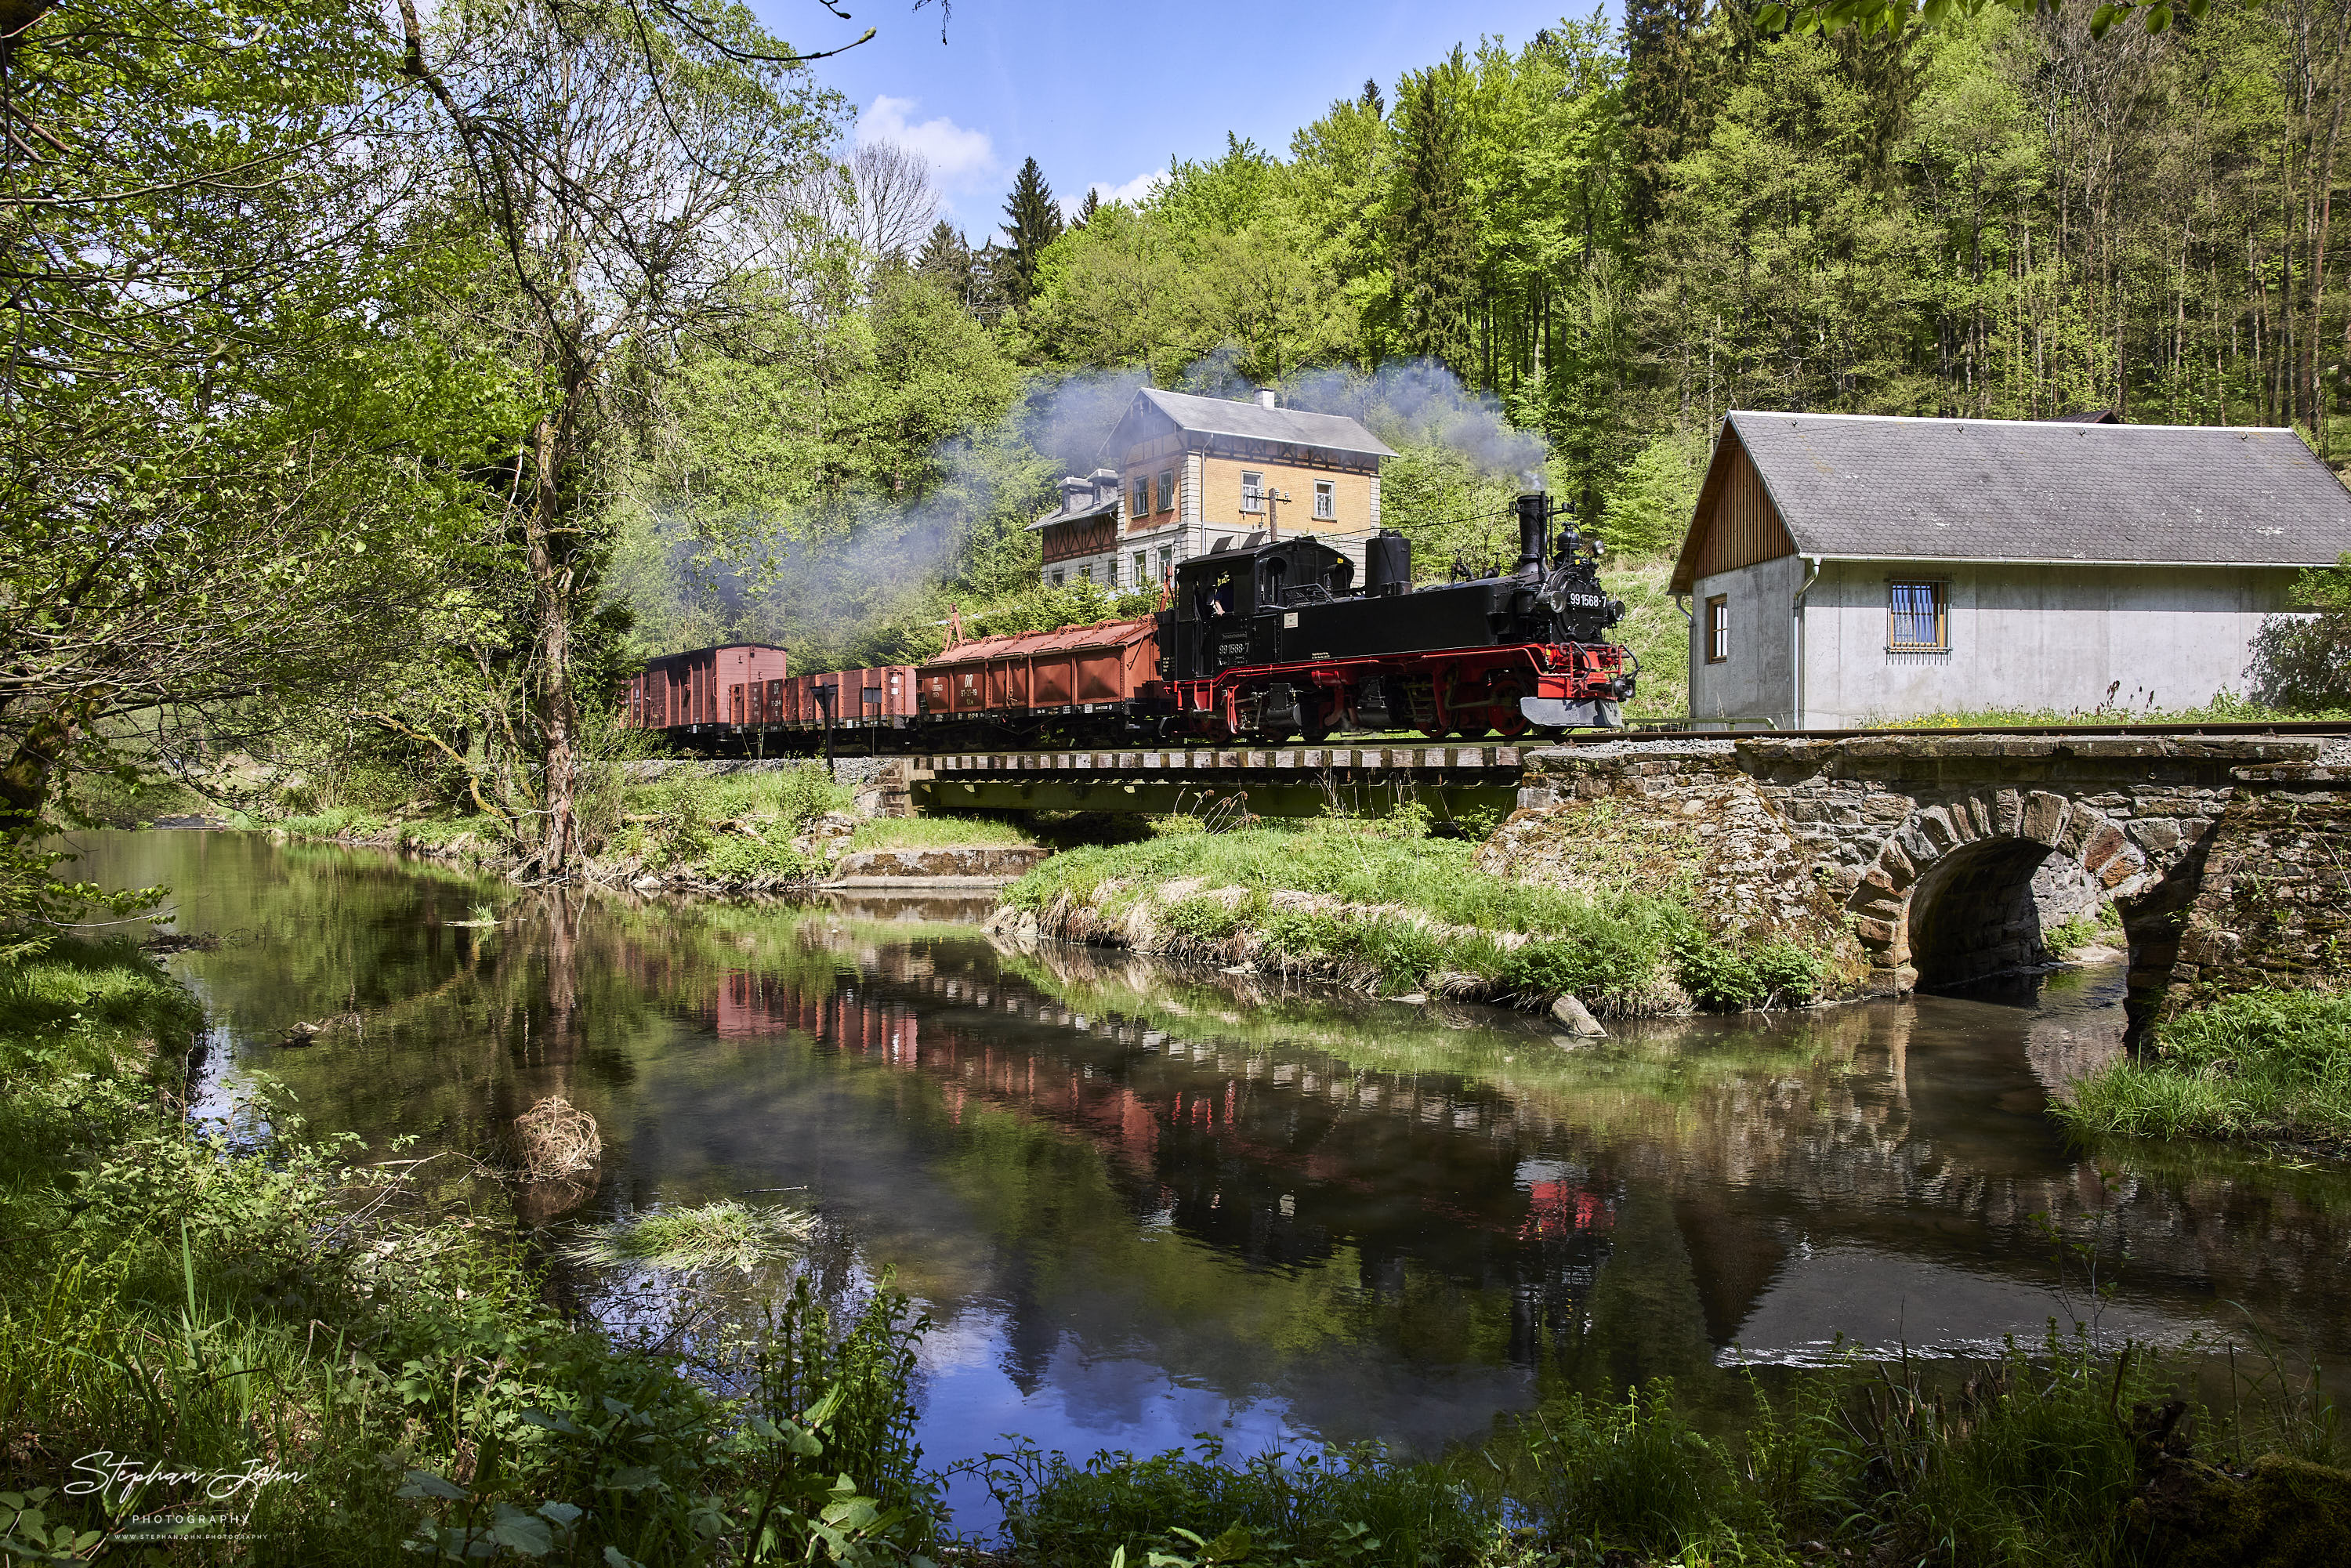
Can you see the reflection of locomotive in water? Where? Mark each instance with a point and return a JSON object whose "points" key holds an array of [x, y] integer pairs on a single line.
{"points": [[1259, 643]]}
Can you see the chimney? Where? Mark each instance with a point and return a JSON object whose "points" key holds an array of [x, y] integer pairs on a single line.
{"points": [[1265, 397]]}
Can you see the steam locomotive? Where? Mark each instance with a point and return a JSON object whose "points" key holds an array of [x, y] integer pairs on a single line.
{"points": [[1260, 643]]}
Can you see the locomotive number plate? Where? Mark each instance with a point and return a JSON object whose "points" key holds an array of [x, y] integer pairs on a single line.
{"points": [[1289, 621]]}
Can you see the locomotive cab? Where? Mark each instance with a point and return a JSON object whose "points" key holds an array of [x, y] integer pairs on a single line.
{"points": [[1230, 606]]}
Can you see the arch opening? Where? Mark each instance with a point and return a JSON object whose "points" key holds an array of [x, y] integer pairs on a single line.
{"points": [[1983, 909]]}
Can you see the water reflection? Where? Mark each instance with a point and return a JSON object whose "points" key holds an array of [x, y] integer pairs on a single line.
{"points": [[1143, 1204]]}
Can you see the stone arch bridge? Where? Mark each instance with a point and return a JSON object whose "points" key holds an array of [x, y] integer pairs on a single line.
{"points": [[2227, 856]]}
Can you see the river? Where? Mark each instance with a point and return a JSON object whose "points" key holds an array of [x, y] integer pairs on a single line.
{"points": [[1141, 1204]]}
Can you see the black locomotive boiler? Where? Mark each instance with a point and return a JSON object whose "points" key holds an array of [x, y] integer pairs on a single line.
{"points": [[1280, 640]]}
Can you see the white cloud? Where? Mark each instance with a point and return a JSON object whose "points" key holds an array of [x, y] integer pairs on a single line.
{"points": [[1135, 189], [956, 156]]}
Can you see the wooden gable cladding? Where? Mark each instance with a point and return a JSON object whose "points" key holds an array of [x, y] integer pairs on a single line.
{"points": [[1734, 523], [1085, 536]]}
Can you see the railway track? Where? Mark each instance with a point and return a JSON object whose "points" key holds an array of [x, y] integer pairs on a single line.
{"points": [[2019, 731]]}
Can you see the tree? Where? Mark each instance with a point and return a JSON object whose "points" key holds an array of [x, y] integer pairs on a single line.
{"points": [[1032, 220], [891, 203], [945, 260], [1087, 209], [1668, 98], [227, 469], [633, 170], [1436, 259]]}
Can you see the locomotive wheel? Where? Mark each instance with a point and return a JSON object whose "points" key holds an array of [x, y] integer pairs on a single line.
{"points": [[1509, 719]]}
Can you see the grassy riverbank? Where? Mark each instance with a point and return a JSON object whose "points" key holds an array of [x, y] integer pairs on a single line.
{"points": [[2026, 1461], [361, 1340], [1383, 905], [773, 829], [2268, 1065]]}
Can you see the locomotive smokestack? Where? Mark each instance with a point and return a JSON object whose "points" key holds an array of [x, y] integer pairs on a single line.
{"points": [[1534, 533]]}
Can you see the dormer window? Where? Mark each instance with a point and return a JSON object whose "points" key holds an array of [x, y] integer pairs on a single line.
{"points": [[1252, 492]]}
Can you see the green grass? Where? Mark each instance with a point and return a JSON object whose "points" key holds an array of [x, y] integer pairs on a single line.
{"points": [[2224, 708], [2025, 1460], [1620, 949], [1657, 632], [2266, 1064], [673, 822], [946, 831], [724, 1234]]}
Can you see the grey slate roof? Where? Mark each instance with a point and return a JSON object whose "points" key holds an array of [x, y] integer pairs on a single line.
{"points": [[1876, 487], [1253, 422]]}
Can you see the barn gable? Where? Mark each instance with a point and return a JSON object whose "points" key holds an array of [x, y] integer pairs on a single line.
{"points": [[1735, 523]]}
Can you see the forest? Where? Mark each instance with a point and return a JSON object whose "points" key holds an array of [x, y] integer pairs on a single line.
{"points": [[382, 384]]}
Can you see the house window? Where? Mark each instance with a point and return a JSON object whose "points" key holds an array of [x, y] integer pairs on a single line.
{"points": [[1086, 572], [1057, 578], [1326, 498], [1141, 568], [1166, 562], [1717, 629], [1918, 617], [1167, 489], [1252, 492], [1141, 504]]}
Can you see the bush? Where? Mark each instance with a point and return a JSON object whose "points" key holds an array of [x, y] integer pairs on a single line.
{"points": [[1200, 919], [2266, 1063], [1634, 1476], [1353, 1506], [1730, 979]]}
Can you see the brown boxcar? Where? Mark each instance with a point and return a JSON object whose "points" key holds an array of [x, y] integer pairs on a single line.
{"points": [[725, 685], [1046, 672]]}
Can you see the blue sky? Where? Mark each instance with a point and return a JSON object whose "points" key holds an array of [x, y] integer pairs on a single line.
{"points": [[1105, 94]]}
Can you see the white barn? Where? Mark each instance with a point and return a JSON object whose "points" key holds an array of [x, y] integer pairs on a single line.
{"points": [[1842, 569]]}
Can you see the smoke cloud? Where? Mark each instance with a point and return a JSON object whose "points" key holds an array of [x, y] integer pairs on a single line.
{"points": [[860, 582]]}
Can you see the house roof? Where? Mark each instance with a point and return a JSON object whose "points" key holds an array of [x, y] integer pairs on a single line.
{"points": [[1872, 488], [1085, 512], [1255, 421]]}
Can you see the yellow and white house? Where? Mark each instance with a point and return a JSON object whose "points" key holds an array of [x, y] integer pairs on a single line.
{"points": [[1185, 475]]}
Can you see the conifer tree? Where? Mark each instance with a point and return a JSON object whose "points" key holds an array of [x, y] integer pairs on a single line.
{"points": [[946, 259], [1032, 220], [1086, 209], [1434, 249], [1669, 84]]}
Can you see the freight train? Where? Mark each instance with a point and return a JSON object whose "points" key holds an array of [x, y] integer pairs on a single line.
{"points": [[1262, 643]]}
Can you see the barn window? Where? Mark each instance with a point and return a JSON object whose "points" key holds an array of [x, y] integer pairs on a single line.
{"points": [[1141, 503], [1167, 489], [1918, 618], [1252, 492], [1326, 498], [1717, 629]]}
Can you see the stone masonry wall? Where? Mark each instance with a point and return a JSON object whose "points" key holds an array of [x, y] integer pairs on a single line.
{"points": [[2273, 905], [1933, 846]]}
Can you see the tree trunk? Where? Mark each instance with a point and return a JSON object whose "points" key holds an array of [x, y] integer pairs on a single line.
{"points": [[24, 780], [551, 584]]}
